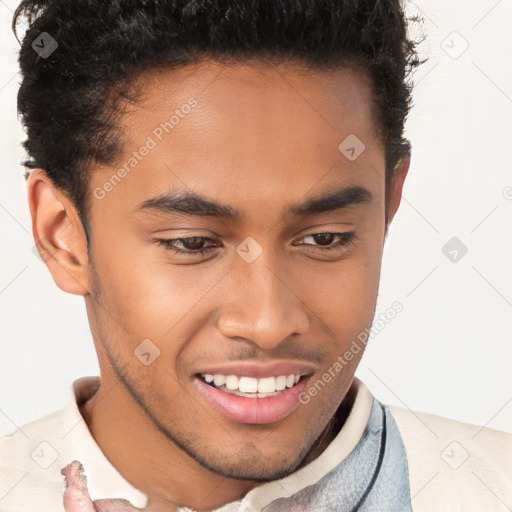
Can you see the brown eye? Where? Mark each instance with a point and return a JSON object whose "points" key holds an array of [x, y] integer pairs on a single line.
{"points": [[191, 245], [324, 241]]}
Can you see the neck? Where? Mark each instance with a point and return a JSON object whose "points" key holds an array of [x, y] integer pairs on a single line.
{"points": [[333, 427]]}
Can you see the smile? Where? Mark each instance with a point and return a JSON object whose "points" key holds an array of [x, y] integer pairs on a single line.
{"points": [[252, 400], [250, 387]]}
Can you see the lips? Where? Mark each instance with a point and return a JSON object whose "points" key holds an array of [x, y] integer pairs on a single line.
{"points": [[254, 393]]}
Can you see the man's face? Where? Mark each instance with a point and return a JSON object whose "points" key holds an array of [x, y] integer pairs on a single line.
{"points": [[269, 288]]}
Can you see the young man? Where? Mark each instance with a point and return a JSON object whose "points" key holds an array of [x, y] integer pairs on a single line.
{"points": [[217, 181]]}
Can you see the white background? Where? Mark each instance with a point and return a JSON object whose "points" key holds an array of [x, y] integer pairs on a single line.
{"points": [[449, 351]]}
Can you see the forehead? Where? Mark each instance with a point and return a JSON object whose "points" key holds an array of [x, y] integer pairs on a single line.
{"points": [[276, 95], [251, 132]]}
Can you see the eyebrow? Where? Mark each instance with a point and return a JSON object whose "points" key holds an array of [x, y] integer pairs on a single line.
{"points": [[190, 203]]}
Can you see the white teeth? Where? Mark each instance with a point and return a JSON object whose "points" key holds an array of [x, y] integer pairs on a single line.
{"points": [[248, 385], [219, 380], [267, 385], [232, 382], [280, 382], [251, 385]]}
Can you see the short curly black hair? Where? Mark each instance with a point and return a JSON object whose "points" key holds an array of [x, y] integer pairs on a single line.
{"points": [[70, 101]]}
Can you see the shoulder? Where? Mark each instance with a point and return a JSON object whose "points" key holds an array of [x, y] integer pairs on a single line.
{"points": [[29, 465], [454, 465]]}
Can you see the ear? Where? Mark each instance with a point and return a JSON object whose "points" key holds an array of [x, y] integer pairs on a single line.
{"points": [[58, 234], [395, 192]]}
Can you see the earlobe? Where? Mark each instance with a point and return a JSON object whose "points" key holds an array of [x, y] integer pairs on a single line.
{"points": [[58, 234], [395, 193]]}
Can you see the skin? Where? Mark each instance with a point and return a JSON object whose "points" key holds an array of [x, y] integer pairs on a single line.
{"points": [[260, 139]]}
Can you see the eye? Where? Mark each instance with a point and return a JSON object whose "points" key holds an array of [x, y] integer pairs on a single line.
{"points": [[192, 245], [324, 241], [196, 245]]}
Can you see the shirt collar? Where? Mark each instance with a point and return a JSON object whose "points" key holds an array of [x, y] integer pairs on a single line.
{"points": [[104, 481]]}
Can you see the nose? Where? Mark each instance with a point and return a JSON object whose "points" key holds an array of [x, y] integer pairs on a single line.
{"points": [[263, 306]]}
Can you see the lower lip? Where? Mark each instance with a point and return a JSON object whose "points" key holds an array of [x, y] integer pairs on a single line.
{"points": [[254, 410]]}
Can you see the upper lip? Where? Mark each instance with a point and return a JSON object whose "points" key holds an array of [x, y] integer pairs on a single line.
{"points": [[259, 370]]}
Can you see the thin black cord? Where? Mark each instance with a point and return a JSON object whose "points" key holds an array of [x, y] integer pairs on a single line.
{"points": [[379, 463]]}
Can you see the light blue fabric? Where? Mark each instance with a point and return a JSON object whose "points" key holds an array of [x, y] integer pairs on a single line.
{"points": [[373, 478]]}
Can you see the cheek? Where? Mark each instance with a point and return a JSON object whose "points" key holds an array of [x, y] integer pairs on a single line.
{"points": [[140, 283], [344, 293], [150, 298], [344, 300]]}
